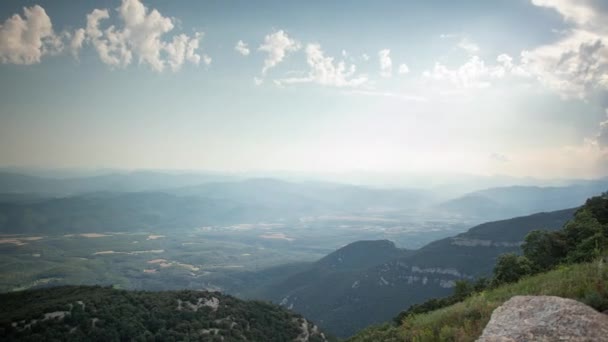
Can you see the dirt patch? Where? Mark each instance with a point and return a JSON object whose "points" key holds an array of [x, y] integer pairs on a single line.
{"points": [[93, 235]]}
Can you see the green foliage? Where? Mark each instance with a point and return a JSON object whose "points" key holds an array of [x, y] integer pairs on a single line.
{"points": [[544, 249], [106, 314], [582, 239], [510, 268], [464, 321], [462, 290]]}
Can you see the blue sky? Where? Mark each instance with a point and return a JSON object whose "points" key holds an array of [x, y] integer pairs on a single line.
{"points": [[486, 87]]}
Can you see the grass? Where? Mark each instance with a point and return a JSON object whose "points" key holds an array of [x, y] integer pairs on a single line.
{"points": [[465, 321]]}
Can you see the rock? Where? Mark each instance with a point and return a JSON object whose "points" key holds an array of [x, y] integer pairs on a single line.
{"points": [[545, 318]]}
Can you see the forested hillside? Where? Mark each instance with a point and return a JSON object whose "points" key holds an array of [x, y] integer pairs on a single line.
{"points": [[106, 314]]}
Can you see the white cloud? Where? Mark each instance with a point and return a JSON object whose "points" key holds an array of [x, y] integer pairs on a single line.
{"points": [[206, 59], [241, 47], [398, 96], [386, 64], [403, 69], [576, 65], [26, 40], [365, 57], [141, 36], [470, 47], [475, 73], [76, 42], [277, 45], [324, 71], [258, 81]]}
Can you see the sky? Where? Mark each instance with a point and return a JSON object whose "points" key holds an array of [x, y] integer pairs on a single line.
{"points": [[510, 87]]}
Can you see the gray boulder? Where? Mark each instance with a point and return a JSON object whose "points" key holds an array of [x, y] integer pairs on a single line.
{"points": [[545, 318]]}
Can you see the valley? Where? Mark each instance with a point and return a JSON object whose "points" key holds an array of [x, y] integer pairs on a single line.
{"points": [[200, 258]]}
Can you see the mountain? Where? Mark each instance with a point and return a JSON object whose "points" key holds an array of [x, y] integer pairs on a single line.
{"points": [[115, 212], [11, 182], [372, 281], [106, 314], [252, 200], [505, 202]]}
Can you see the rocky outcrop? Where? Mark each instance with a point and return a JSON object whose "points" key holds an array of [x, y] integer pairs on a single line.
{"points": [[545, 318]]}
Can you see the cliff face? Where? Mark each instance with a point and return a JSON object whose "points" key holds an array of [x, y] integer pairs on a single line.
{"points": [[545, 318]]}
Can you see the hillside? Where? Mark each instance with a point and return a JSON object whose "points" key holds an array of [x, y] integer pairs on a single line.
{"points": [[465, 321], [106, 314], [373, 281], [568, 263]]}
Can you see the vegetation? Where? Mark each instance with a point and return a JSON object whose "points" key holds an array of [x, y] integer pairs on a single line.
{"points": [[464, 321], [571, 259], [106, 314]]}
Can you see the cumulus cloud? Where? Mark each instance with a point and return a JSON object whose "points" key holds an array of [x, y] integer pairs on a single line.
{"points": [[576, 65], [324, 71], [24, 40], [365, 57], [403, 69], [386, 64], [241, 47], [468, 46], [277, 45], [141, 35]]}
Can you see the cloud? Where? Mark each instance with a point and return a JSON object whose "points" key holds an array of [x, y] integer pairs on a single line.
{"points": [[141, 36], [365, 57], [576, 65], [398, 96], [403, 69], [602, 136], [475, 73], [24, 40], [77, 39], [241, 47], [468, 46], [324, 71], [277, 45], [386, 64]]}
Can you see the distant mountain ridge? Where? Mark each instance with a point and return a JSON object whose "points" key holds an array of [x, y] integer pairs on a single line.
{"points": [[251, 200], [505, 202]]}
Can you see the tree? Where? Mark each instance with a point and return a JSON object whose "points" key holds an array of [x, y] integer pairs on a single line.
{"points": [[462, 289], [544, 249], [510, 268]]}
